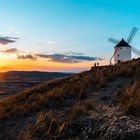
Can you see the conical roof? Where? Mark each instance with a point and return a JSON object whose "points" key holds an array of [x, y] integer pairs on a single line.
{"points": [[122, 43]]}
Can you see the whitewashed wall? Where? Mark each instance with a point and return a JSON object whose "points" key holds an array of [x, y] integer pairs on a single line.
{"points": [[123, 54]]}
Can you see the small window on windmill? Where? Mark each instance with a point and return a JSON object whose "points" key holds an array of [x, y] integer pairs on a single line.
{"points": [[118, 55]]}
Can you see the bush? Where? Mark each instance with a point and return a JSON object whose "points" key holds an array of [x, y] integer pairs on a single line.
{"points": [[130, 99], [45, 127]]}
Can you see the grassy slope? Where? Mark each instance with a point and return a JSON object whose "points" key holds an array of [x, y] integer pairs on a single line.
{"points": [[67, 96]]}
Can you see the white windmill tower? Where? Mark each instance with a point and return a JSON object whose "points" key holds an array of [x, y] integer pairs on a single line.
{"points": [[123, 49]]}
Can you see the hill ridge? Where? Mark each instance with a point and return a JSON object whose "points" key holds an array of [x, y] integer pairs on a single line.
{"points": [[102, 103]]}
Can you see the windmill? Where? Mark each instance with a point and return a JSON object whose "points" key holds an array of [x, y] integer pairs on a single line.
{"points": [[123, 50]]}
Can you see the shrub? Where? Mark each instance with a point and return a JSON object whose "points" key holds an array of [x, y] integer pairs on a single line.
{"points": [[75, 113], [45, 127], [130, 99]]}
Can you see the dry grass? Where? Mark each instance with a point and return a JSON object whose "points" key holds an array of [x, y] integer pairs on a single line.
{"points": [[90, 106], [66, 91], [129, 99], [64, 95], [75, 112], [45, 127], [50, 126]]}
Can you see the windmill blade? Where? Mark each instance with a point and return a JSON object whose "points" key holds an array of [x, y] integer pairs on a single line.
{"points": [[132, 35], [113, 55], [113, 40], [136, 51]]}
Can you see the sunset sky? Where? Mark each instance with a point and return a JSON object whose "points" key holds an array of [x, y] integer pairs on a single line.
{"points": [[63, 35]]}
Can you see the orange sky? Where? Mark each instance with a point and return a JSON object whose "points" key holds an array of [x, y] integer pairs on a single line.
{"points": [[9, 62]]}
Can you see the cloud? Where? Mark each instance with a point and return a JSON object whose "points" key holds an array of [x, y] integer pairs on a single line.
{"points": [[58, 58], [27, 56], [86, 58], [10, 51], [50, 42], [63, 58], [73, 53], [7, 40]]}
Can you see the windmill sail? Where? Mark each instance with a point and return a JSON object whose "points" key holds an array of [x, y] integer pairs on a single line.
{"points": [[113, 40], [113, 56], [136, 51], [132, 35]]}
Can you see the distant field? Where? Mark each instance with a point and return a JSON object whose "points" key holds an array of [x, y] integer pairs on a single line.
{"points": [[14, 81]]}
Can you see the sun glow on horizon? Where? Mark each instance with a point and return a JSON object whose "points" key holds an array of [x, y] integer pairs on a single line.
{"points": [[43, 65]]}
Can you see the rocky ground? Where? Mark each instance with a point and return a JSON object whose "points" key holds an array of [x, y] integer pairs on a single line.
{"points": [[108, 122]]}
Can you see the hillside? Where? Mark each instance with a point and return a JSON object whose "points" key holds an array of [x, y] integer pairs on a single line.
{"points": [[100, 104], [15, 81]]}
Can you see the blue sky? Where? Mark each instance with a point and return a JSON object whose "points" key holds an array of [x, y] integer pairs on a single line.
{"points": [[60, 26]]}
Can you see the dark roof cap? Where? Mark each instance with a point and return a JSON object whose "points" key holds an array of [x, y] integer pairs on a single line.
{"points": [[122, 43]]}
